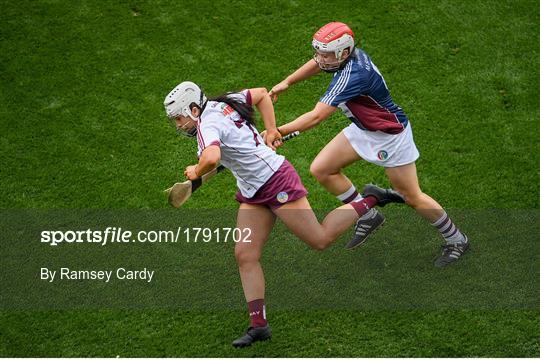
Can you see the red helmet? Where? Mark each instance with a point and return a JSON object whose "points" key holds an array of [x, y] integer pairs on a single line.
{"points": [[332, 38]]}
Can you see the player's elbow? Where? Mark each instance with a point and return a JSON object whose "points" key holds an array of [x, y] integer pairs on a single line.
{"points": [[213, 160], [321, 112], [211, 156], [317, 117]]}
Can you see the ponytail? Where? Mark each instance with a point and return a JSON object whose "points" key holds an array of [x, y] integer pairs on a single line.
{"points": [[244, 110]]}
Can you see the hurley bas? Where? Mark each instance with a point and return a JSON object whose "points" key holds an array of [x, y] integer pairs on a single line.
{"points": [[103, 275]]}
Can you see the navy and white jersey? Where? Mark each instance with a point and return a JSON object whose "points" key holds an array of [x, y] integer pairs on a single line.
{"points": [[361, 92], [243, 150]]}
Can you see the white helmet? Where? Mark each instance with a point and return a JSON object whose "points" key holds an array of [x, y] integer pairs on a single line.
{"points": [[333, 37], [179, 100]]}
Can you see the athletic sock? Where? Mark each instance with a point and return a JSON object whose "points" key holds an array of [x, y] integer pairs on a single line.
{"points": [[257, 313], [363, 205], [450, 233], [349, 195]]}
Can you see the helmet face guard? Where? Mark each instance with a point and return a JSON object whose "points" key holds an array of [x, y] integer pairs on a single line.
{"points": [[325, 64], [191, 133], [335, 38], [183, 130]]}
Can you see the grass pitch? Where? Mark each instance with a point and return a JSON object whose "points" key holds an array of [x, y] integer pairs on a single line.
{"points": [[82, 126]]}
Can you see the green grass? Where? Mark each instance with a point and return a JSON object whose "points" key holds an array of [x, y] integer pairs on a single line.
{"points": [[82, 126], [296, 334]]}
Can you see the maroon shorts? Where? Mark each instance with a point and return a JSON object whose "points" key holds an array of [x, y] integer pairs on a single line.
{"points": [[284, 186]]}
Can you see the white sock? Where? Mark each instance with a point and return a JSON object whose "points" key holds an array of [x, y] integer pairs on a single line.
{"points": [[349, 195]]}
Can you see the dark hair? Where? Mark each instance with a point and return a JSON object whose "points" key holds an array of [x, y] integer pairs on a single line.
{"points": [[244, 110]]}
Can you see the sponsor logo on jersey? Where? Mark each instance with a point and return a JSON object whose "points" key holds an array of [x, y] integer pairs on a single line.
{"points": [[226, 109], [382, 155], [282, 197]]}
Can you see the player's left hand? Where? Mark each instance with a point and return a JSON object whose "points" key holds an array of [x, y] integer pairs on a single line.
{"points": [[276, 90], [190, 172], [272, 138]]}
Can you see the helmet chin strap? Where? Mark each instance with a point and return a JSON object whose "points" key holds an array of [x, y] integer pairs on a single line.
{"points": [[191, 132]]}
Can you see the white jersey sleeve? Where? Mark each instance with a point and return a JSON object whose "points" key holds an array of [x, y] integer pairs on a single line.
{"points": [[243, 96], [209, 132]]}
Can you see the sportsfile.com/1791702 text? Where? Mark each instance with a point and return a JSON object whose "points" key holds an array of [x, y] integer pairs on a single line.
{"points": [[119, 235]]}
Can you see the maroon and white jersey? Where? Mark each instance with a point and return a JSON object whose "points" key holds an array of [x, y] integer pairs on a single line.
{"points": [[243, 150]]}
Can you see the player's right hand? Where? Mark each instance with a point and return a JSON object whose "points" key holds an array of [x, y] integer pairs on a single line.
{"points": [[273, 141], [191, 172], [276, 90], [272, 138]]}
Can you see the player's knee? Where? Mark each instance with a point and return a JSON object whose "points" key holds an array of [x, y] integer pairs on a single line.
{"points": [[320, 245], [245, 256], [318, 171]]}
